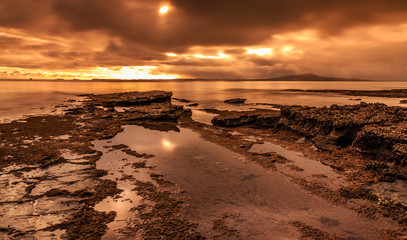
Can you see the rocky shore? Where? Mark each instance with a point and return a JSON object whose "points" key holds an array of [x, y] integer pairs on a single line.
{"points": [[50, 184], [367, 143], [392, 93], [376, 130]]}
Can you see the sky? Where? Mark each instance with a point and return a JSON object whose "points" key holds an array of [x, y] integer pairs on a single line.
{"points": [[216, 39]]}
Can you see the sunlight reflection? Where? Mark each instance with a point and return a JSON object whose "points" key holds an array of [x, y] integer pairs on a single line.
{"points": [[167, 145]]}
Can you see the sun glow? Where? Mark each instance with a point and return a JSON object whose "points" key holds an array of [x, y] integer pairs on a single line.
{"points": [[259, 51], [131, 73], [286, 49], [164, 9], [303, 36], [219, 56], [290, 51], [135, 72]]}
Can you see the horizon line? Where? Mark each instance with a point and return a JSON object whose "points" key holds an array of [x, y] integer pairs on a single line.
{"points": [[307, 77]]}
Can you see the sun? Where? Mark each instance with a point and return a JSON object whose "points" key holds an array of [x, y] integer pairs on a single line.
{"points": [[164, 9]]}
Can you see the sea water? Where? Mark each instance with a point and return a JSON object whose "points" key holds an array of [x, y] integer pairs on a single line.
{"points": [[22, 98]]}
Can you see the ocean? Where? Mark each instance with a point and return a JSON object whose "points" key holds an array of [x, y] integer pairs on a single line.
{"points": [[23, 98]]}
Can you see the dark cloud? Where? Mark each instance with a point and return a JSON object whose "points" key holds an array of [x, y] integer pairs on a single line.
{"points": [[94, 14], [234, 51], [279, 16], [221, 22], [132, 20], [25, 14], [198, 22], [9, 42], [91, 33], [260, 61]]}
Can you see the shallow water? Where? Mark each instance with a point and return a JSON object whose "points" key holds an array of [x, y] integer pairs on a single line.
{"points": [[202, 116], [260, 203], [310, 167], [118, 165], [21, 98]]}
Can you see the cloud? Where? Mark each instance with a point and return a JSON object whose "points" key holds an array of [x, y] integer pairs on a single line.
{"points": [[208, 38], [221, 22]]}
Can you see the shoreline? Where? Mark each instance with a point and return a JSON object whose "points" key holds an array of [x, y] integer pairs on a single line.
{"points": [[35, 145]]}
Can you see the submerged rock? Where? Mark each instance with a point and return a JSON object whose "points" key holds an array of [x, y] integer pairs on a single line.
{"points": [[182, 100], [235, 100]]}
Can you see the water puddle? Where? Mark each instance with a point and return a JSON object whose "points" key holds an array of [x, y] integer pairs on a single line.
{"points": [[306, 166], [202, 116], [255, 202], [121, 109], [120, 169], [197, 114]]}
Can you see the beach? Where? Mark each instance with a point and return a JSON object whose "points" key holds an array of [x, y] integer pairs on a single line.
{"points": [[151, 165], [223, 120]]}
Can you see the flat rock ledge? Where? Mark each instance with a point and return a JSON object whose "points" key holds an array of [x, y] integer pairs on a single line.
{"points": [[374, 129], [130, 98]]}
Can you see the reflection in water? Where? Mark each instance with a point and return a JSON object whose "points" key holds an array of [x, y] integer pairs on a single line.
{"points": [[218, 182], [26, 97], [309, 166], [202, 116], [119, 167], [168, 145]]}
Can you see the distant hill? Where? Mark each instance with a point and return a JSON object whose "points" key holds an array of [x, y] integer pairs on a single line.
{"points": [[299, 77], [311, 77]]}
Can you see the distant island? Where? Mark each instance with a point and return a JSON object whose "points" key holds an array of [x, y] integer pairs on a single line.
{"points": [[298, 77]]}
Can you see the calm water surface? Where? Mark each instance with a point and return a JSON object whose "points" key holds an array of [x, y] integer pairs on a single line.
{"points": [[19, 98], [217, 181]]}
